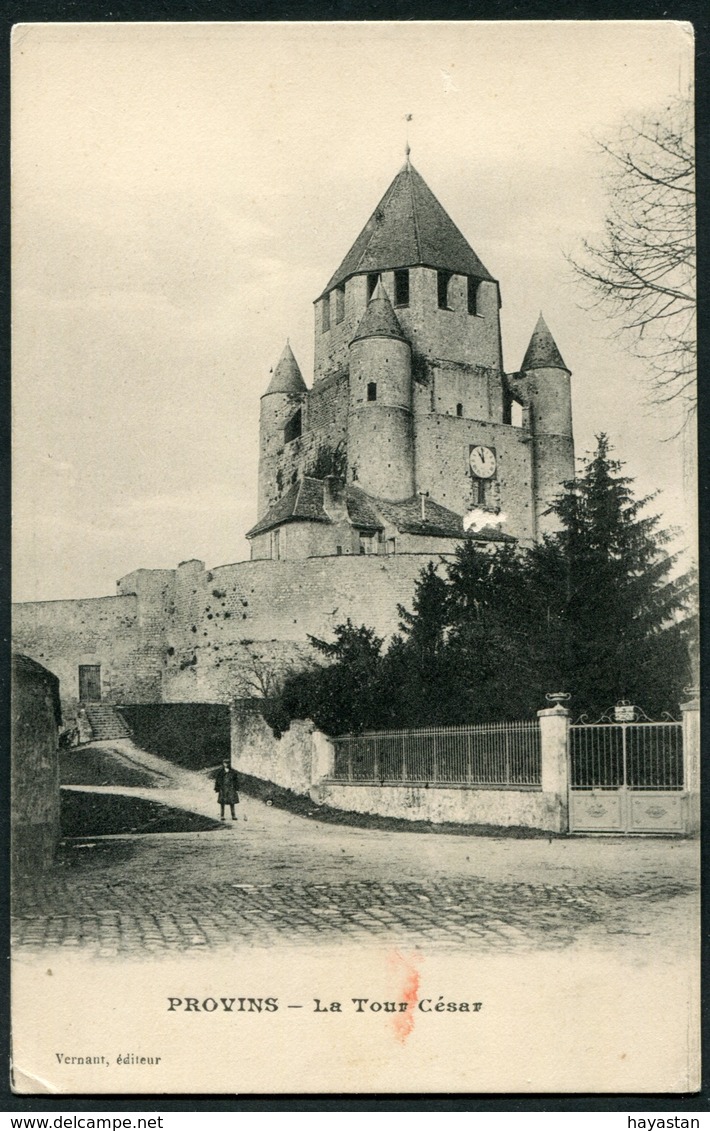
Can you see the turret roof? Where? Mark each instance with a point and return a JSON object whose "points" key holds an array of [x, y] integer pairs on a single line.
{"points": [[542, 352], [287, 377], [409, 228], [379, 319]]}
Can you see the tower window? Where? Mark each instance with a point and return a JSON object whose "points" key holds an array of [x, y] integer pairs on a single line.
{"points": [[293, 427], [276, 544], [372, 281], [339, 293], [459, 409], [401, 288], [372, 390], [325, 314], [443, 279], [473, 287]]}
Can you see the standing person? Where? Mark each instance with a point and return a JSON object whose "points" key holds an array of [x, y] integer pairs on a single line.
{"points": [[226, 784]]}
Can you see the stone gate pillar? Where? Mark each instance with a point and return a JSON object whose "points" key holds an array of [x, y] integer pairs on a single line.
{"points": [[691, 761], [554, 739]]}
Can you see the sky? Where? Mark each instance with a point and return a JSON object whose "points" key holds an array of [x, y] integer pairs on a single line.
{"points": [[182, 192]]}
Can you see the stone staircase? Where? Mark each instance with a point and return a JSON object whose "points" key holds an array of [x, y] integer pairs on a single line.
{"points": [[105, 721]]}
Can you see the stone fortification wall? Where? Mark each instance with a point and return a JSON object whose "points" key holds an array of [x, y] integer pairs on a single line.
{"points": [[197, 635], [240, 622], [105, 631], [452, 334]]}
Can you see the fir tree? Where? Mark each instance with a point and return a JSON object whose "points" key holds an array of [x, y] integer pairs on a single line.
{"points": [[616, 629]]}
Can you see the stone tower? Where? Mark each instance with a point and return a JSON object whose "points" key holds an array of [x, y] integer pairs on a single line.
{"points": [[280, 421], [380, 428], [546, 381], [412, 436]]}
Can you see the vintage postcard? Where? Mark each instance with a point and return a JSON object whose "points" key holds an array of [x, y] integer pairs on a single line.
{"points": [[355, 681]]}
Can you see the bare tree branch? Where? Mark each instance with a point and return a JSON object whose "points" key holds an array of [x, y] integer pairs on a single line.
{"points": [[641, 273]]}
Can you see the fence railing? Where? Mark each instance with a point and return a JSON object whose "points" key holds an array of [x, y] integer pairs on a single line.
{"points": [[634, 755], [491, 754]]}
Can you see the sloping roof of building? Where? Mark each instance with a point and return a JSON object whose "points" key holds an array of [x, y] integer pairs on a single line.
{"points": [[287, 377], [409, 228], [379, 319], [542, 352], [304, 502], [438, 521]]}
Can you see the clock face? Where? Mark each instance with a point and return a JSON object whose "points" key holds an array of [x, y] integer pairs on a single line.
{"points": [[482, 461]]}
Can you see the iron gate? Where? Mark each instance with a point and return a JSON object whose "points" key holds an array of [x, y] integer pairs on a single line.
{"points": [[626, 774]]}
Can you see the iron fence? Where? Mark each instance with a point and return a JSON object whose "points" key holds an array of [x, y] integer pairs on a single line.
{"points": [[634, 755], [491, 754]]}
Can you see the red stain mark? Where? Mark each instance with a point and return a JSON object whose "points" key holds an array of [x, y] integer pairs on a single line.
{"points": [[403, 1020]]}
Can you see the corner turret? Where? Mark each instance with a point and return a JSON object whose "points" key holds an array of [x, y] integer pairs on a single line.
{"points": [[287, 377], [545, 380], [280, 424], [380, 426]]}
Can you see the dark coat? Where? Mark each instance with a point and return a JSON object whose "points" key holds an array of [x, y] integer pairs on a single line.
{"points": [[226, 784]]}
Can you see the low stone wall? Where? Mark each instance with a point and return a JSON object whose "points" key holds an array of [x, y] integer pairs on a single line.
{"points": [[36, 718], [286, 761], [511, 808], [302, 760]]}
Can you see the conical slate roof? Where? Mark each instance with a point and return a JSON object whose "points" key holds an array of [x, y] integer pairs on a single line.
{"points": [[379, 319], [409, 228], [542, 353], [287, 377]]}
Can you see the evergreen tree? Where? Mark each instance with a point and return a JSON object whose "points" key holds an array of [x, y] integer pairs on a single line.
{"points": [[344, 696], [616, 631], [596, 609]]}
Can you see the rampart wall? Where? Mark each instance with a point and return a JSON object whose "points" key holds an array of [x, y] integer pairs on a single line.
{"points": [[198, 635], [105, 631]]}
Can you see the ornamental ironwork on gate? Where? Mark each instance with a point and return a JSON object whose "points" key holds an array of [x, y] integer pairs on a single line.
{"points": [[626, 773]]}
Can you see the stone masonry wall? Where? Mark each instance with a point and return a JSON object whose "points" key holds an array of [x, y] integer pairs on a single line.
{"points": [[286, 761], [34, 806], [197, 635], [324, 426], [239, 623], [450, 335], [443, 444], [498, 808], [107, 631]]}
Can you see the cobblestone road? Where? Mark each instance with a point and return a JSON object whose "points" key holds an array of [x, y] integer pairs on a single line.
{"points": [[274, 877]]}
